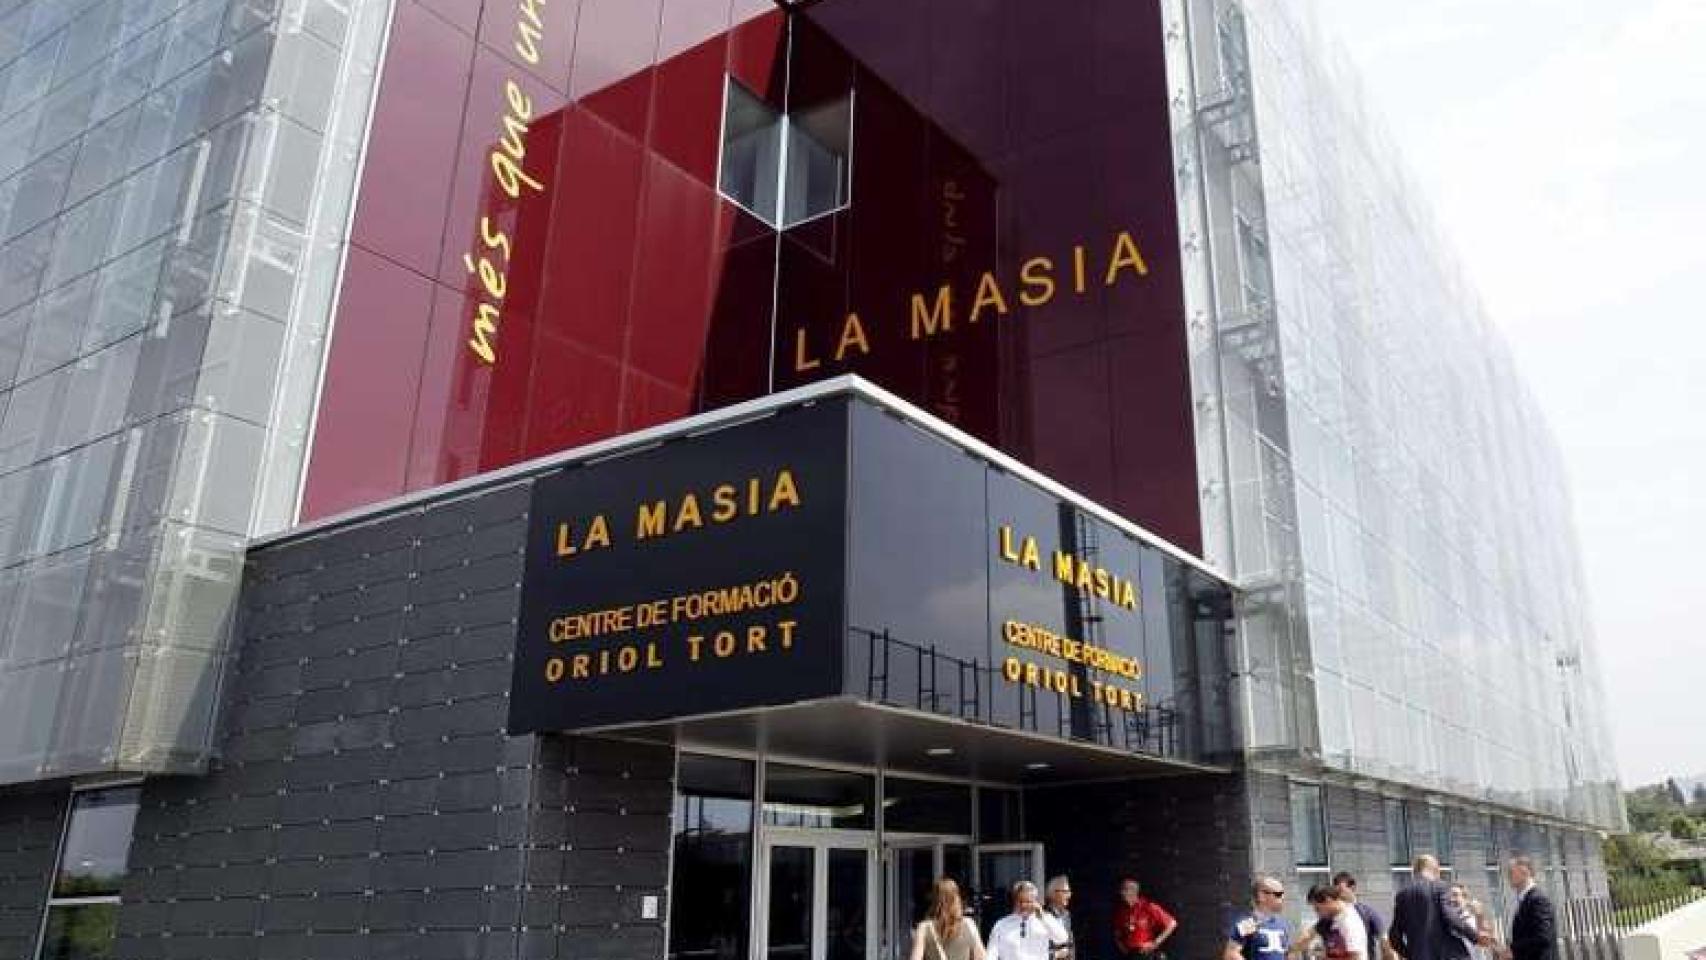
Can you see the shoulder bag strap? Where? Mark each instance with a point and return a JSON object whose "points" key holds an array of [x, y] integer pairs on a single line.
{"points": [[930, 930]]}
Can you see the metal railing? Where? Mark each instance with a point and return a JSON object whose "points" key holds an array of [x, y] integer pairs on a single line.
{"points": [[921, 677], [1592, 928], [1586, 930], [1628, 916]]}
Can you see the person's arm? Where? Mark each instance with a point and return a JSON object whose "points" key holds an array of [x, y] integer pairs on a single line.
{"points": [[1305, 940], [1455, 920], [1056, 933], [1483, 923], [919, 933], [1166, 932], [1234, 948], [1159, 917], [977, 952]]}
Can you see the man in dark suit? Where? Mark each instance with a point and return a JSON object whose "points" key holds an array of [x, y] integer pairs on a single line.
{"points": [[1424, 926], [1534, 927]]}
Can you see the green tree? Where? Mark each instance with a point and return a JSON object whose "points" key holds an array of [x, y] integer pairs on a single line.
{"points": [[1650, 808], [1632, 853], [1683, 827], [1698, 807], [1637, 871], [1677, 797]]}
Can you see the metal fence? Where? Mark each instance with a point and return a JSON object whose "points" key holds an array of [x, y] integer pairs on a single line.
{"points": [[1629, 916], [1592, 928], [1587, 930]]}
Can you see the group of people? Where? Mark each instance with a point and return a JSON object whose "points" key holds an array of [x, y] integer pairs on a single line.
{"points": [[1039, 926], [1431, 920]]}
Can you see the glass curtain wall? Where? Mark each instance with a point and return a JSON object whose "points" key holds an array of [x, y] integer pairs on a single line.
{"points": [[159, 163], [1387, 471]]}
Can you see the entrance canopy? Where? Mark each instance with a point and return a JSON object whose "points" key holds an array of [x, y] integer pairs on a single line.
{"points": [[860, 733], [843, 575]]}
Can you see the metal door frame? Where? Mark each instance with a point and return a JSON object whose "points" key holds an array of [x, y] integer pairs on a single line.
{"points": [[934, 842], [820, 842]]}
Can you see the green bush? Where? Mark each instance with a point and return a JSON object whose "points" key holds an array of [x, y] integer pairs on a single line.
{"points": [[1635, 889]]}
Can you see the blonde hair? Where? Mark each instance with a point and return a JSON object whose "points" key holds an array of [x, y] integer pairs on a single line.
{"points": [[947, 912]]}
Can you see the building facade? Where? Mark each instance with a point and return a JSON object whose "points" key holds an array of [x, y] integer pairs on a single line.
{"points": [[1197, 523]]}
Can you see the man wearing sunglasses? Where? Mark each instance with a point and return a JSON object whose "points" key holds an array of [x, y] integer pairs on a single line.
{"points": [[1027, 933], [1261, 933]]}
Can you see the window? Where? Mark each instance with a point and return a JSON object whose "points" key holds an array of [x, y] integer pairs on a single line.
{"points": [[999, 815], [785, 167], [1440, 823], [713, 859], [1494, 895], [1397, 833], [818, 145], [1308, 825], [812, 798], [926, 806], [82, 915], [752, 152]]}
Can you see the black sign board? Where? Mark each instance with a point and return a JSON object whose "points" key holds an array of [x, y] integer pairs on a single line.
{"points": [[837, 550], [702, 576]]}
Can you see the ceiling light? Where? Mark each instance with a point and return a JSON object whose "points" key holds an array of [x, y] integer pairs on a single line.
{"points": [[1039, 765], [940, 751]]}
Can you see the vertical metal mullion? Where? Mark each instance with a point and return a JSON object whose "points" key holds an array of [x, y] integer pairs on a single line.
{"points": [[820, 900], [781, 213], [758, 907]]}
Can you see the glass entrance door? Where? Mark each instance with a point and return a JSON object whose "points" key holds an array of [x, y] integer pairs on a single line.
{"points": [[912, 866], [819, 895]]}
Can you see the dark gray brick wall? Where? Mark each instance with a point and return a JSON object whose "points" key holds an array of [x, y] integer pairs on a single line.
{"points": [[30, 824], [1187, 839], [365, 802], [1356, 839]]}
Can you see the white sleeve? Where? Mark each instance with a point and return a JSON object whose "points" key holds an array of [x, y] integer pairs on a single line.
{"points": [[1051, 923], [1356, 935]]}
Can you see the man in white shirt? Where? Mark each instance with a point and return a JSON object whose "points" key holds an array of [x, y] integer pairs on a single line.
{"points": [[1027, 933], [1338, 925]]}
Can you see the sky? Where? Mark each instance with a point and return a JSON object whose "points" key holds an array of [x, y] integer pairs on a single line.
{"points": [[1562, 144]]}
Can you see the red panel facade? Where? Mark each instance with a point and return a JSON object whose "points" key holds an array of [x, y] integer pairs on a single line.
{"points": [[542, 256]]}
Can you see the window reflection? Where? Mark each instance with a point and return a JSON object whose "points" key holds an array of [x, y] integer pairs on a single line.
{"points": [[819, 140], [713, 859], [1397, 834], [752, 152], [1441, 833], [817, 799], [785, 167], [82, 917], [97, 843], [998, 815], [926, 806], [80, 932], [1308, 825]]}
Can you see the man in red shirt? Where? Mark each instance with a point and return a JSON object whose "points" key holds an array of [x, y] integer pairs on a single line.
{"points": [[1140, 925]]}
